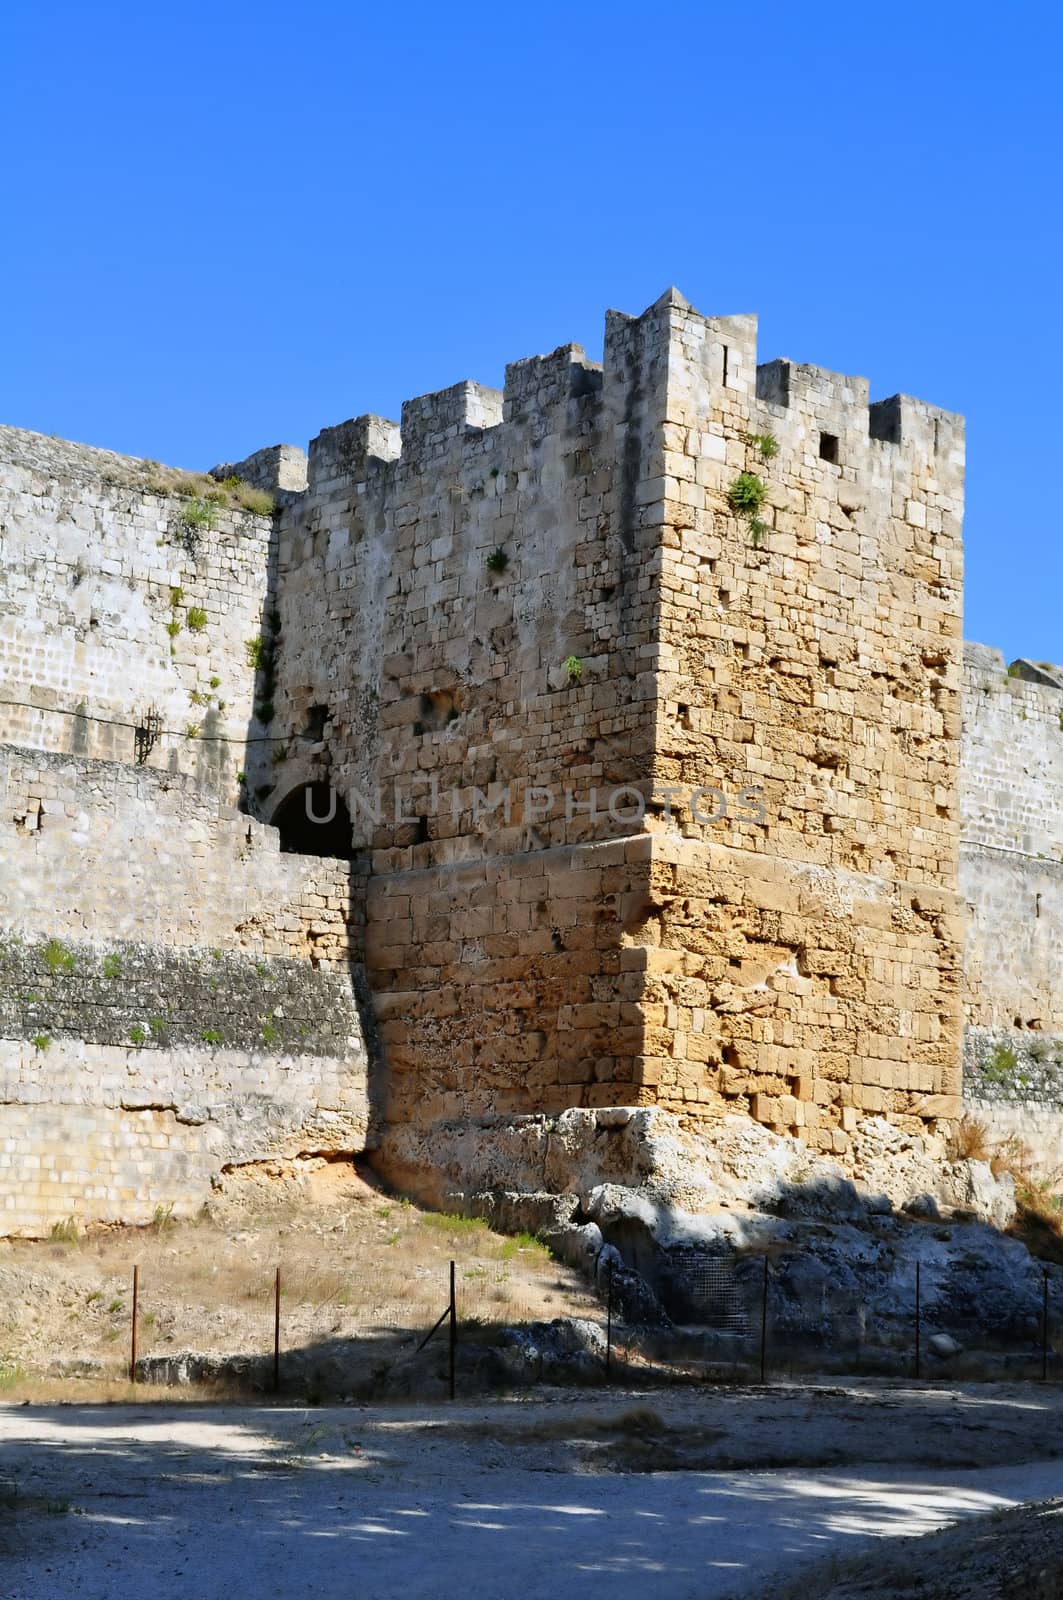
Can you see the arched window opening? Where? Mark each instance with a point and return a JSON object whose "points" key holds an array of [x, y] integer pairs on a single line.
{"points": [[314, 821]]}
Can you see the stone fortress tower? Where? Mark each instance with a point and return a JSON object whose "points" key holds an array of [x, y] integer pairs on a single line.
{"points": [[635, 695]]}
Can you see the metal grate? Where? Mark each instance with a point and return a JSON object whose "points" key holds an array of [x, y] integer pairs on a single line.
{"points": [[704, 1291], [146, 734]]}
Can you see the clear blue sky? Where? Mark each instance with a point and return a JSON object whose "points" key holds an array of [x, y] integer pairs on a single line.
{"points": [[226, 226]]}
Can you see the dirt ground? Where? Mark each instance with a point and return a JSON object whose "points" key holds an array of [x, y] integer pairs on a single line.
{"points": [[796, 1491], [356, 1264], [705, 1495]]}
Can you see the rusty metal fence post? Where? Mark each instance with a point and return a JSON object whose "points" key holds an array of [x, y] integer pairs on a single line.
{"points": [[453, 1333], [764, 1325], [277, 1331], [133, 1327], [609, 1321], [449, 1316]]}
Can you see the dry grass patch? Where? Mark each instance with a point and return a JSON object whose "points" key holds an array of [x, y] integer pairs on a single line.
{"points": [[201, 488], [1012, 1554], [356, 1267], [970, 1141], [1039, 1218]]}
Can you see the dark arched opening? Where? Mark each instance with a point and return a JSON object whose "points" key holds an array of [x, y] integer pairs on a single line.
{"points": [[314, 821]]}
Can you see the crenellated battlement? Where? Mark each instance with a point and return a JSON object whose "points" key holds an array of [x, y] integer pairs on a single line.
{"points": [[695, 364], [539, 384], [346, 451], [432, 422], [279, 467]]}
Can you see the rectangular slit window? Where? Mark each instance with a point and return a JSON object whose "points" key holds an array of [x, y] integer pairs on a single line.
{"points": [[725, 366], [828, 447]]}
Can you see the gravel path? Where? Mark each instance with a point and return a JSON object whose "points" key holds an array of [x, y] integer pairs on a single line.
{"points": [[176, 1502]]}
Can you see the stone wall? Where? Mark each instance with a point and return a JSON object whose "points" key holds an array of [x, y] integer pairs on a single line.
{"points": [[804, 959], [548, 590], [429, 599], [1011, 874], [654, 798], [119, 595], [175, 994]]}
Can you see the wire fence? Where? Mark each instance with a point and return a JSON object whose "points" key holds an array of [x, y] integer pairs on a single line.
{"points": [[789, 1315], [718, 1318]]}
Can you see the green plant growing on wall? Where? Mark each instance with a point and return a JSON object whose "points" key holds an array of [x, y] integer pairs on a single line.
{"points": [[270, 1033], [173, 627], [765, 444], [138, 1035], [1001, 1067], [57, 958], [746, 494], [193, 730], [196, 619], [498, 560], [1000, 1063], [199, 514], [573, 668], [262, 658], [66, 1232], [41, 1041], [158, 1026], [211, 1036], [176, 596], [112, 966], [215, 682]]}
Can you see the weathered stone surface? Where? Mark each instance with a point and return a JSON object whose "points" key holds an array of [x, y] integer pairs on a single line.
{"points": [[175, 994], [992, 1197], [1011, 875]]}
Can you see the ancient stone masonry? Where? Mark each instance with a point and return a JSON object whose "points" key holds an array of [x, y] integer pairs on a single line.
{"points": [[633, 692], [806, 964], [550, 589], [122, 596], [175, 994], [1011, 874]]}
